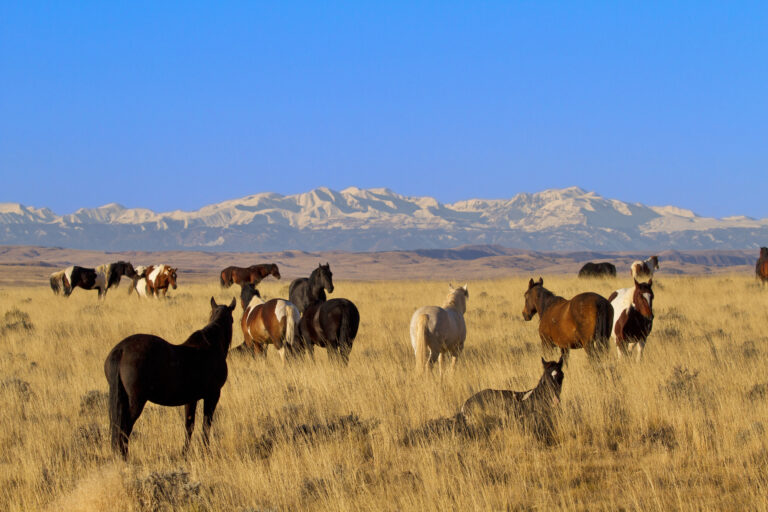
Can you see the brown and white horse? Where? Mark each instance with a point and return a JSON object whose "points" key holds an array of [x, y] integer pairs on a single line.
{"points": [[632, 317], [271, 322], [643, 270], [581, 322], [761, 269], [154, 279]]}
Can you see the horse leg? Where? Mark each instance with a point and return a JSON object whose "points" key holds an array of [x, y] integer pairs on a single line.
{"points": [[189, 422], [135, 406], [281, 351], [434, 356], [209, 407], [565, 354], [640, 347]]}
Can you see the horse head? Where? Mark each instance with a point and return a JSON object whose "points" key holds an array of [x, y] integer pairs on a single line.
{"points": [[172, 276], [642, 300], [457, 298], [247, 292], [764, 252], [655, 261], [324, 276], [220, 310], [275, 271], [553, 377], [531, 298]]}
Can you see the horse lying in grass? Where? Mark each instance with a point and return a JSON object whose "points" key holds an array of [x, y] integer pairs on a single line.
{"points": [[145, 368]]}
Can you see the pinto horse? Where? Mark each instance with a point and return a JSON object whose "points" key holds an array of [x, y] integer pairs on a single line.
{"points": [[102, 278], [632, 317], [154, 279], [436, 331], [253, 274], [582, 322], [761, 269], [330, 324], [305, 291], [642, 270], [145, 368], [271, 322]]}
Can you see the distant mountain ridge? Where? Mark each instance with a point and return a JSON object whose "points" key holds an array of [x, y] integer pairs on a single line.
{"points": [[354, 219]]}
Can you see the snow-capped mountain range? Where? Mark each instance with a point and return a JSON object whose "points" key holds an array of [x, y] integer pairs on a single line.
{"points": [[354, 219]]}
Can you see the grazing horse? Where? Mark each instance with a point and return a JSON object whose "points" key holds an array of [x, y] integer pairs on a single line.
{"points": [[761, 269], [436, 331], [330, 324], [582, 322], [253, 274], [102, 278], [603, 269], [643, 270], [145, 368], [156, 278], [535, 404], [632, 317], [273, 321], [304, 292]]}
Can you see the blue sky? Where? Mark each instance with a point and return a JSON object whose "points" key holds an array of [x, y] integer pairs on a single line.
{"points": [[176, 105]]}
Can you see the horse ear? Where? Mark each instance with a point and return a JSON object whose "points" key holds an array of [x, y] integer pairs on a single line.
{"points": [[464, 287], [650, 281], [560, 362], [530, 284], [541, 281], [213, 303], [232, 304], [543, 362]]}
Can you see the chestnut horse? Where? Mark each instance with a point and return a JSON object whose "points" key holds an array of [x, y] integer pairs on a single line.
{"points": [[761, 269], [253, 274], [582, 322], [632, 317], [273, 321], [145, 368]]}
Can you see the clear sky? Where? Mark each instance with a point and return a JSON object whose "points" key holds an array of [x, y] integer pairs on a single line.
{"points": [[176, 105]]}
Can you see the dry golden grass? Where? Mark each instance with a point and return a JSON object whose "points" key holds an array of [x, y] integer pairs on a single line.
{"points": [[685, 429]]}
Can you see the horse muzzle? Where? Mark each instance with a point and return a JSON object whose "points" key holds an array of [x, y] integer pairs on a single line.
{"points": [[527, 316]]}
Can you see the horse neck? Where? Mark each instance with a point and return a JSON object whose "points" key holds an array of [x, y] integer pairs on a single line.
{"points": [[316, 286], [545, 299], [456, 303], [218, 330], [544, 388]]}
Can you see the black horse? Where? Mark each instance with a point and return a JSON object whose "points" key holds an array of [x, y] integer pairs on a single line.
{"points": [[304, 292], [603, 269], [331, 324], [117, 270], [144, 368]]}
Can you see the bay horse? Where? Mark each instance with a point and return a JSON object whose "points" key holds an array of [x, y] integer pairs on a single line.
{"points": [[642, 270], [603, 269], [331, 324], [101, 278], [305, 291], [761, 269], [436, 331], [632, 317], [272, 322], [145, 368], [154, 279], [534, 404], [582, 322], [253, 274]]}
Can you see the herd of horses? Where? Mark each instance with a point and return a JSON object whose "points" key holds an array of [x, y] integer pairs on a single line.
{"points": [[144, 367]]}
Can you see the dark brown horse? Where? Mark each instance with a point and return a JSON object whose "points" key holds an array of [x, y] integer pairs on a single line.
{"points": [[331, 324], [253, 274], [306, 291], [632, 317], [761, 269], [582, 322], [263, 323], [145, 368]]}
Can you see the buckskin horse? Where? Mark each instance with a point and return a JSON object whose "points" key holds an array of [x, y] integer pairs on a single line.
{"points": [[101, 278], [145, 368], [436, 331], [272, 322], [761, 269], [584, 321], [305, 291], [253, 274], [632, 317]]}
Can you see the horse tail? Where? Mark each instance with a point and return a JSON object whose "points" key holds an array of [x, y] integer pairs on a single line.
{"points": [[350, 320], [56, 282], [603, 323], [290, 325], [420, 345], [119, 414]]}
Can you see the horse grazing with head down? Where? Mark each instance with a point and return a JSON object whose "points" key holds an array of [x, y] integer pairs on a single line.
{"points": [[145, 368], [603, 269], [263, 323], [632, 317], [153, 279], [436, 331], [332, 325], [582, 322], [253, 274], [305, 291], [761, 269], [101, 278]]}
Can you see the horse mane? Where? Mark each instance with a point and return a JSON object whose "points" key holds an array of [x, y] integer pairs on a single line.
{"points": [[451, 301]]}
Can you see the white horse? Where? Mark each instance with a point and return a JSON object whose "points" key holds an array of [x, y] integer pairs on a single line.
{"points": [[438, 330], [643, 270]]}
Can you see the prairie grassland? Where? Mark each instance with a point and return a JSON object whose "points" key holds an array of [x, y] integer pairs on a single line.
{"points": [[685, 429]]}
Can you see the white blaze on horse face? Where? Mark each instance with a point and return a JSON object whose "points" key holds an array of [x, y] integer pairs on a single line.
{"points": [[647, 298], [554, 374]]}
